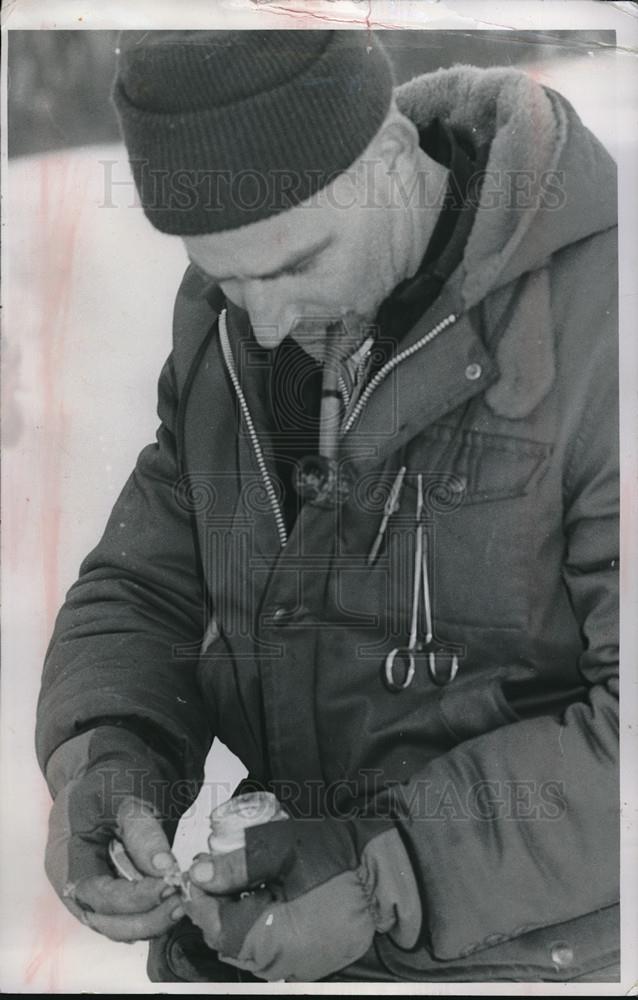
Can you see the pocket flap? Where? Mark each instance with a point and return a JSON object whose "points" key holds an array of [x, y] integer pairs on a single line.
{"points": [[476, 467]]}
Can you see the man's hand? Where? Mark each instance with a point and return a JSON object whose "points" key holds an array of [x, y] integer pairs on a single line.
{"points": [[78, 868], [321, 889], [91, 778]]}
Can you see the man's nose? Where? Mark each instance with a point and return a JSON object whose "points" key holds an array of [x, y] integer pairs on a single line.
{"points": [[270, 317], [260, 308]]}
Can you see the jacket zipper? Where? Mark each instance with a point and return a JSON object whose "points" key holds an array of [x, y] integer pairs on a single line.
{"points": [[383, 372], [252, 433], [348, 422]]}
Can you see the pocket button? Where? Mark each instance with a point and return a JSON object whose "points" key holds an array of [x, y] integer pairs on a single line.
{"points": [[473, 371]]}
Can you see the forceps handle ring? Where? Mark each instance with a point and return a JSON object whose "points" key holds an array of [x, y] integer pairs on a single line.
{"points": [[407, 655]]}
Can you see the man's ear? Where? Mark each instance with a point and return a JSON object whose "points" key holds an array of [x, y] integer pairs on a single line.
{"points": [[397, 142]]}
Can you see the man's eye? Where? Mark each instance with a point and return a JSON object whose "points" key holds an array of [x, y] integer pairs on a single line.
{"points": [[296, 269], [302, 268]]}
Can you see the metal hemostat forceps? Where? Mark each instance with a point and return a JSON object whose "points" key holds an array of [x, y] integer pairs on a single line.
{"points": [[420, 594]]}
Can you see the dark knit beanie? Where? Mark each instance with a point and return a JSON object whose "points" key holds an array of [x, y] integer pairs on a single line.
{"points": [[224, 128]]}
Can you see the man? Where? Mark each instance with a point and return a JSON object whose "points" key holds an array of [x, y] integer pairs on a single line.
{"points": [[374, 549]]}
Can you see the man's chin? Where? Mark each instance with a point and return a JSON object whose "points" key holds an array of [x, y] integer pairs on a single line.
{"points": [[350, 331], [314, 346]]}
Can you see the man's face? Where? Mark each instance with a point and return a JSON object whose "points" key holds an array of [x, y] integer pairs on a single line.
{"points": [[295, 273]]}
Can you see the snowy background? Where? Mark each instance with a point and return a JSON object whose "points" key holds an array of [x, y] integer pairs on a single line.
{"points": [[88, 298]]}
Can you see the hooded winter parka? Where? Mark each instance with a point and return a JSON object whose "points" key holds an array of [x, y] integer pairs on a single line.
{"points": [[199, 616]]}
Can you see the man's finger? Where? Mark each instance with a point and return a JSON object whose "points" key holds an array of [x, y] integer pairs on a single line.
{"points": [[144, 839], [113, 896], [139, 926], [203, 910], [220, 873]]}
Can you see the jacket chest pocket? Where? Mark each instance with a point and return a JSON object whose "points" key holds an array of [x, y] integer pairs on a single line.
{"points": [[483, 509]]}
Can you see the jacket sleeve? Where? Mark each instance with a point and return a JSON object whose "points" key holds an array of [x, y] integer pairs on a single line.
{"points": [[123, 651], [502, 857]]}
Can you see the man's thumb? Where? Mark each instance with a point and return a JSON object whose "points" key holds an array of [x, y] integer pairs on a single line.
{"points": [[147, 845]]}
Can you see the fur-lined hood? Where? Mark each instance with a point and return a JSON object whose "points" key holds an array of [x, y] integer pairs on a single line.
{"points": [[565, 179]]}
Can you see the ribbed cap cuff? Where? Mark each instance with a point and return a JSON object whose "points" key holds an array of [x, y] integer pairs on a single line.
{"points": [[234, 162]]}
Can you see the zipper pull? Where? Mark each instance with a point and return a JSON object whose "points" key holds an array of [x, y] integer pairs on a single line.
{"points": [[391, 506]]}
